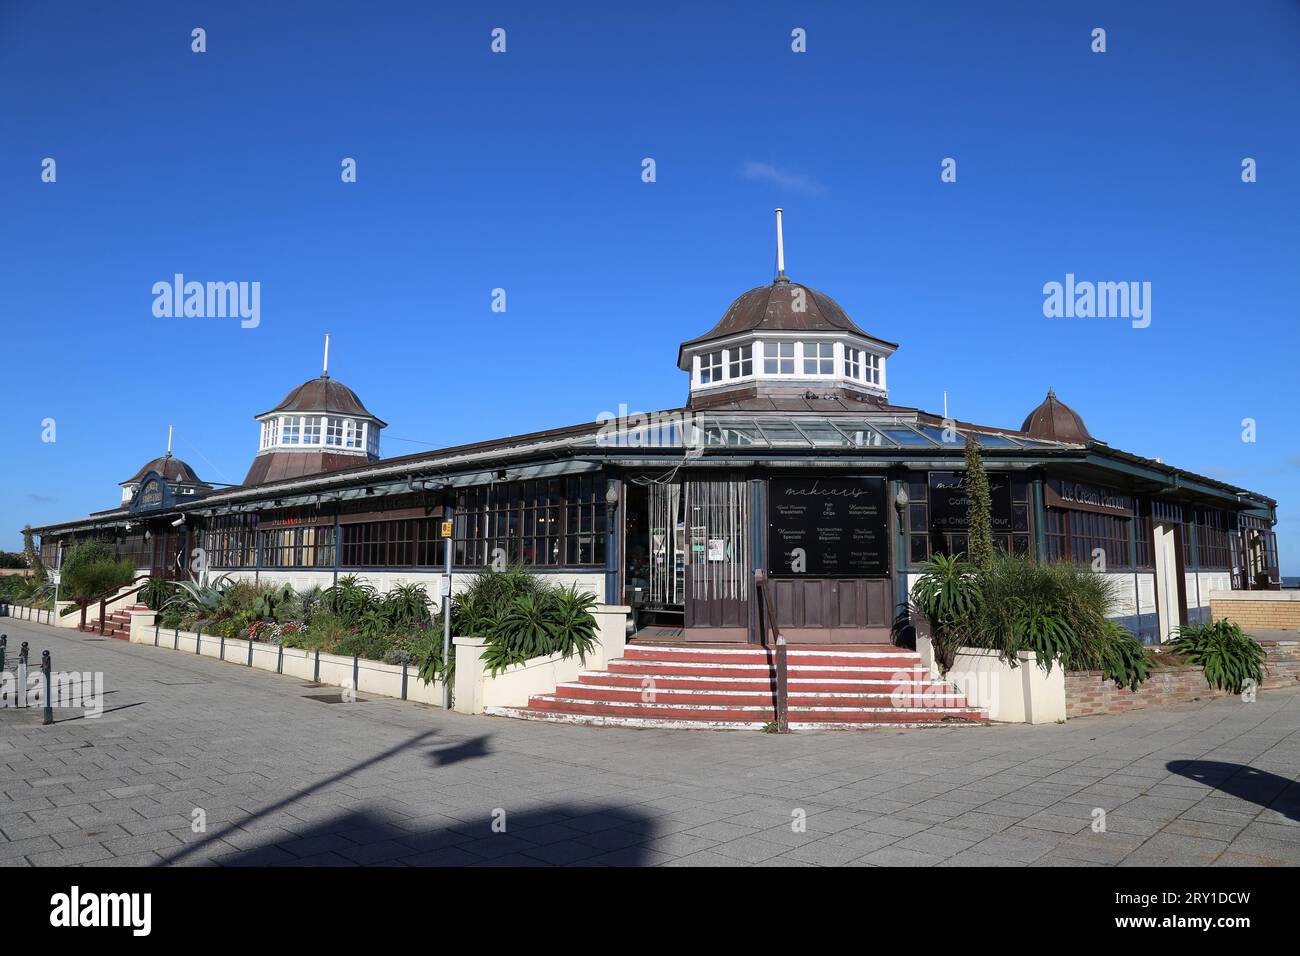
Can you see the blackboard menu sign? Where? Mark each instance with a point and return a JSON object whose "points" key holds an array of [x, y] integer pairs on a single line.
{"points": [[950, 501], [828, 527]]}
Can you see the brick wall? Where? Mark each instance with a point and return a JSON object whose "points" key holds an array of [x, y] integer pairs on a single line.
{"points": [[1262, 610], [1087, 693], [1282, 663]]}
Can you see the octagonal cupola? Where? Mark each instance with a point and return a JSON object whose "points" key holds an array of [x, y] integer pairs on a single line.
{"points": [[319, 426], [785, 339], [181, 480]]}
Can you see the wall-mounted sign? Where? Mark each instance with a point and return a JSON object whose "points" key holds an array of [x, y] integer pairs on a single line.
{"points": [[950, 501], [444, 529], [829, 527], [1065, 493], [152, 494]]}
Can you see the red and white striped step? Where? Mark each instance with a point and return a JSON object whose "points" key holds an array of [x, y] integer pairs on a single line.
{"points": [[117, 624], [733, 688]]}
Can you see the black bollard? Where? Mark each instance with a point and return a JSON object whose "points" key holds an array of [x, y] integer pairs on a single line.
{"points": [[47, 715]]}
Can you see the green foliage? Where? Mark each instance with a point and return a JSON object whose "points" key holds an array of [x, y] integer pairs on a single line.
{"points": [[979, 538], [406, 606], [1123, 659], [1014, 604], [200, 599], [349, 598], [535, 625], [13, 561], [156, 593], [91, 569], [1228, 655], [947, 594]]}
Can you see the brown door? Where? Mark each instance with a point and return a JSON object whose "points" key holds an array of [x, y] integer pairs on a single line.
{"points": [[834, 610], [718, 570]]}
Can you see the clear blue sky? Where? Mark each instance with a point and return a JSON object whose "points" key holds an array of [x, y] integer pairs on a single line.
{"points": [[523, 171]]}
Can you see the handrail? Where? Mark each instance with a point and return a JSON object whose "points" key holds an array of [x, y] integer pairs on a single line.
{"points": [[768, 612], [104, 598]]}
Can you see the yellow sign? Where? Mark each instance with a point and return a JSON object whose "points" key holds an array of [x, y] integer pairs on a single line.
{"points": [[444, 529]]}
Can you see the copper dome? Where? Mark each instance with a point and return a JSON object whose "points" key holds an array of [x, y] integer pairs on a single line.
{"points": [[1055, 420], [771, 308], [323, 394], [169, 468]]}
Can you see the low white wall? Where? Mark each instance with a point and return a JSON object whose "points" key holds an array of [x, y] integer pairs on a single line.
{"points": [[37, 615], [1025, 694], [477, 689], [372, 677]]}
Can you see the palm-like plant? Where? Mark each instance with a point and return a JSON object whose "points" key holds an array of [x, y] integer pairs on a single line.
{"points": [[1229, 656], [200, 597], [947, 594], [350, 598]]}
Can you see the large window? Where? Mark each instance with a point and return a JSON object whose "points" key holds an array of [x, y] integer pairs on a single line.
{"points": [[778, 358], [231, 541], [1078, 536], [310, 546], [547, 522], [819, 358], [1213, 550], [311, 430], [938, 513], [710, 367], [742, 361]]}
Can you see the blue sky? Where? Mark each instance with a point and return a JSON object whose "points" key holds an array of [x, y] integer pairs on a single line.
{"points": [[522, 171]]}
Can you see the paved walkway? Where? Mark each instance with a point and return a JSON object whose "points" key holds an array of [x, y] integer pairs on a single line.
{"points": [[283, 778]]}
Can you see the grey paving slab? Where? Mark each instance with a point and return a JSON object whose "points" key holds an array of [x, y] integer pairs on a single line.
{"points": [[280, 780]]}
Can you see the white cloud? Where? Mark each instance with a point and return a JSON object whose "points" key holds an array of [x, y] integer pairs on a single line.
{"points": [[794, 182]]}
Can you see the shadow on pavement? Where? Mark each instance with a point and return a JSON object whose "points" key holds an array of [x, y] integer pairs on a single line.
{"points": [[1245, 783], [552, 836]]}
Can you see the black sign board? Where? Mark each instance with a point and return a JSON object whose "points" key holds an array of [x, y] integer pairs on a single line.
{"points": [[1064, 493], [828, 527], [950, 501], [152, 494]]}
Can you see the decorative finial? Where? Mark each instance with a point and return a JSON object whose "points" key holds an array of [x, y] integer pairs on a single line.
{"points": [[169, 441], [325, 373], [780, 249]]}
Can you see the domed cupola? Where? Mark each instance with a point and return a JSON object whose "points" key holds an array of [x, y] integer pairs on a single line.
{"points": [[319, 426], [1056, 421], [176, 474], [784, 339]]}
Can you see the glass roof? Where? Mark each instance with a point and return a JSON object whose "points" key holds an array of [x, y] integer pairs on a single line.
{"points": [[790, 431]]}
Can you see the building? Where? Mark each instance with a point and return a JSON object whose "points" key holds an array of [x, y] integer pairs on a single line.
{"points": [[788, 457]]}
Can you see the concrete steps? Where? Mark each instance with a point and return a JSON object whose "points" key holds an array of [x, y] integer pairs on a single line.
{"points": [[680, 686], [116, 625]]}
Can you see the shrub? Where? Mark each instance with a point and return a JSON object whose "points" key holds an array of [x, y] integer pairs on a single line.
{"points": [[200, 599], [156, 593], [1228, 655], [535, 625], [91, 569], [349, 598], [947, 594], [1123, 659], [1014, 604]]}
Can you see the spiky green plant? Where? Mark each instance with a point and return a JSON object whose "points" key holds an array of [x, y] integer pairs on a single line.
{"points": [[1229, 656]]}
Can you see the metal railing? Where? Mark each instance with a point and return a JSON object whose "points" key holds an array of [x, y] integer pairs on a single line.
{"points": [[767, 624]]}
